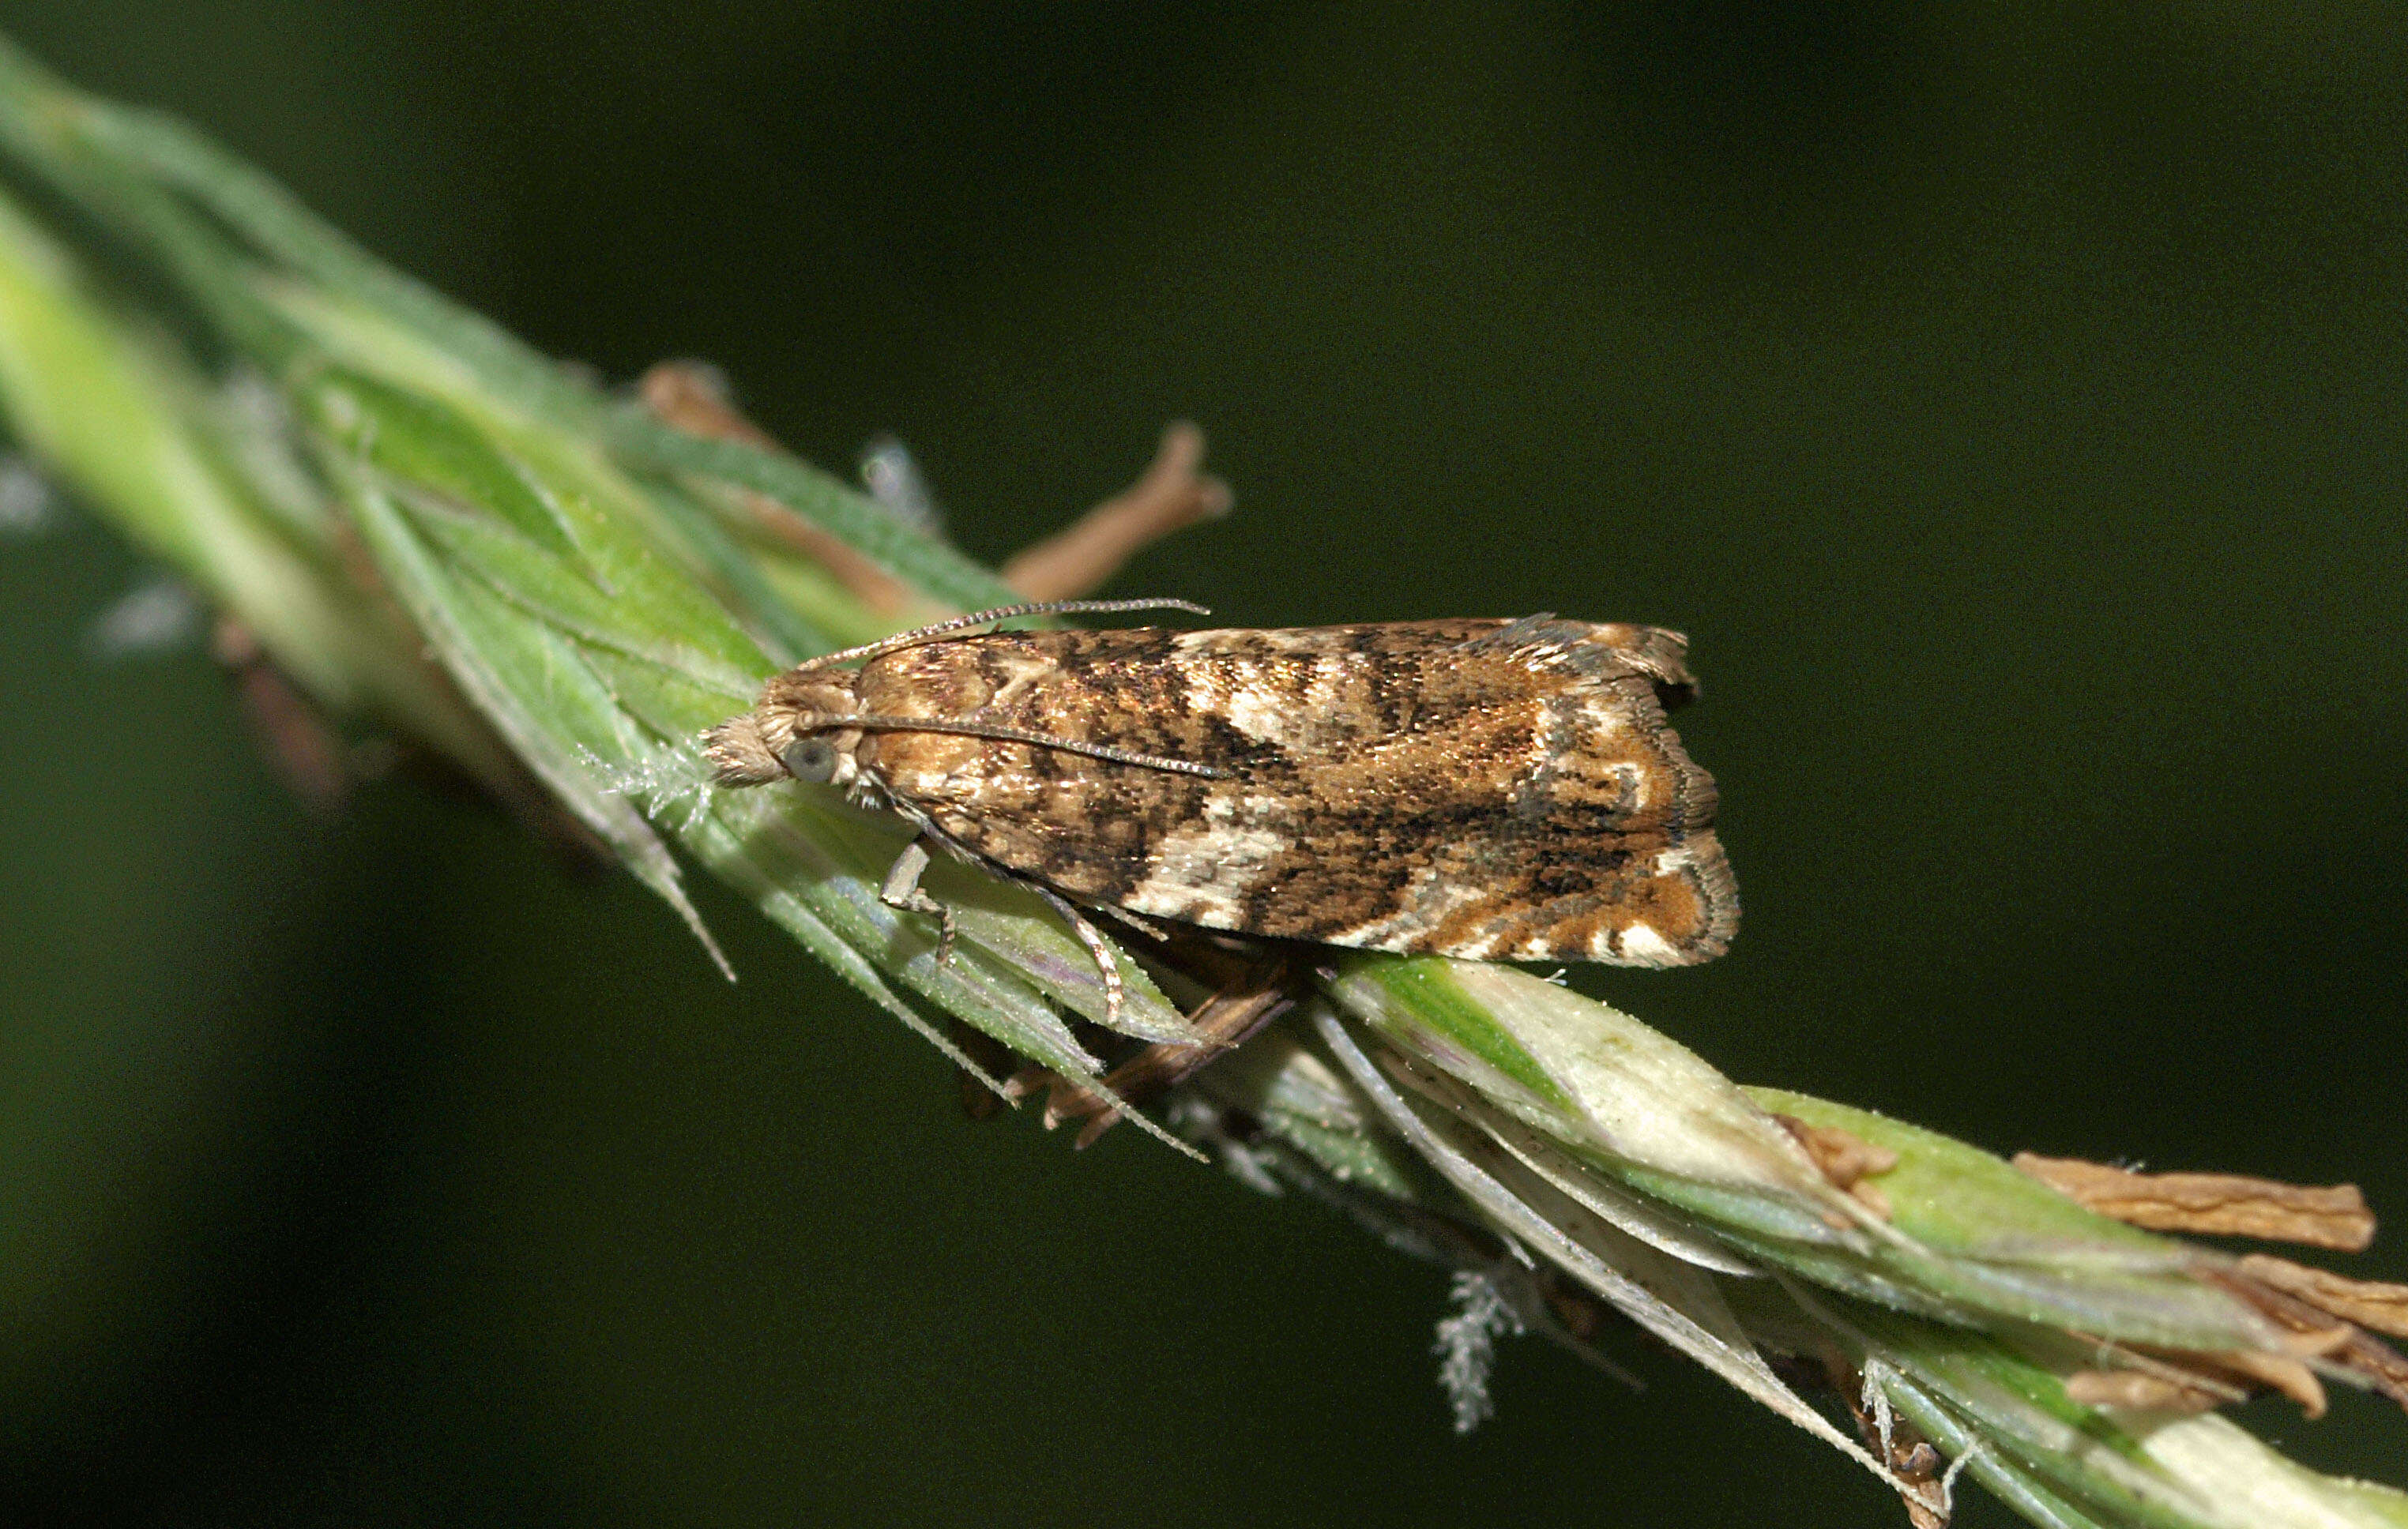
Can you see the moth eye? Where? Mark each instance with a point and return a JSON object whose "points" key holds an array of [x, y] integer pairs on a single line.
{"points": [[811, 758]]}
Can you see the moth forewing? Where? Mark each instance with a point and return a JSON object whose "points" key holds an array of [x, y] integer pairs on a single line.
{"points": [[1484, 789]]}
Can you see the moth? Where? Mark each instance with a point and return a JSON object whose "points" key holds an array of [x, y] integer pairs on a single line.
{"points": [[1490, 789]]}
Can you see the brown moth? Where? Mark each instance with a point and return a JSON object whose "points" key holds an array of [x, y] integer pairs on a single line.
{"points": [[1494, 789]]}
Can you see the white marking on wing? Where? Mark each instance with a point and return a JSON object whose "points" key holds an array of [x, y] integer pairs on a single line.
{"points": [[1261, 706], [1264, 718], [1299, 639], [1424, 905], [1642, 946], [1203, 875], [1021, 671], [1675, 860]]}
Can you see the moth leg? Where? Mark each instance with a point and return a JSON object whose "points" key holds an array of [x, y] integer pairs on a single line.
{"points": [[1224, 1022], [1142, 924], [1092, 938], [902, 890]]}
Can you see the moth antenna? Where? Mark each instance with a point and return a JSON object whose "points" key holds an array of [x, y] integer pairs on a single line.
{"points": [[999, 613], [1017, 735]]}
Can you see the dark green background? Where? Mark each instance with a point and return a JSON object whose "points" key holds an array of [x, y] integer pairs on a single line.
{"points": [[2009, 402]]}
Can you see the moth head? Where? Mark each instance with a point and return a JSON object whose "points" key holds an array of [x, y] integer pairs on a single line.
{"points": [[739, 755], [810, 756], [813, 746], [791, 736]]}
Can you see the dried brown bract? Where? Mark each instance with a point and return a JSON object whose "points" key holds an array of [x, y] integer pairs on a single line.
{"points": [[2380, 1307], [2211, 1204], [1846, 1159], [1173, 494]]}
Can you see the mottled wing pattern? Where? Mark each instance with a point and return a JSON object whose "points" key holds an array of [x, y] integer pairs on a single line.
{"points": [[1472, 788]]}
